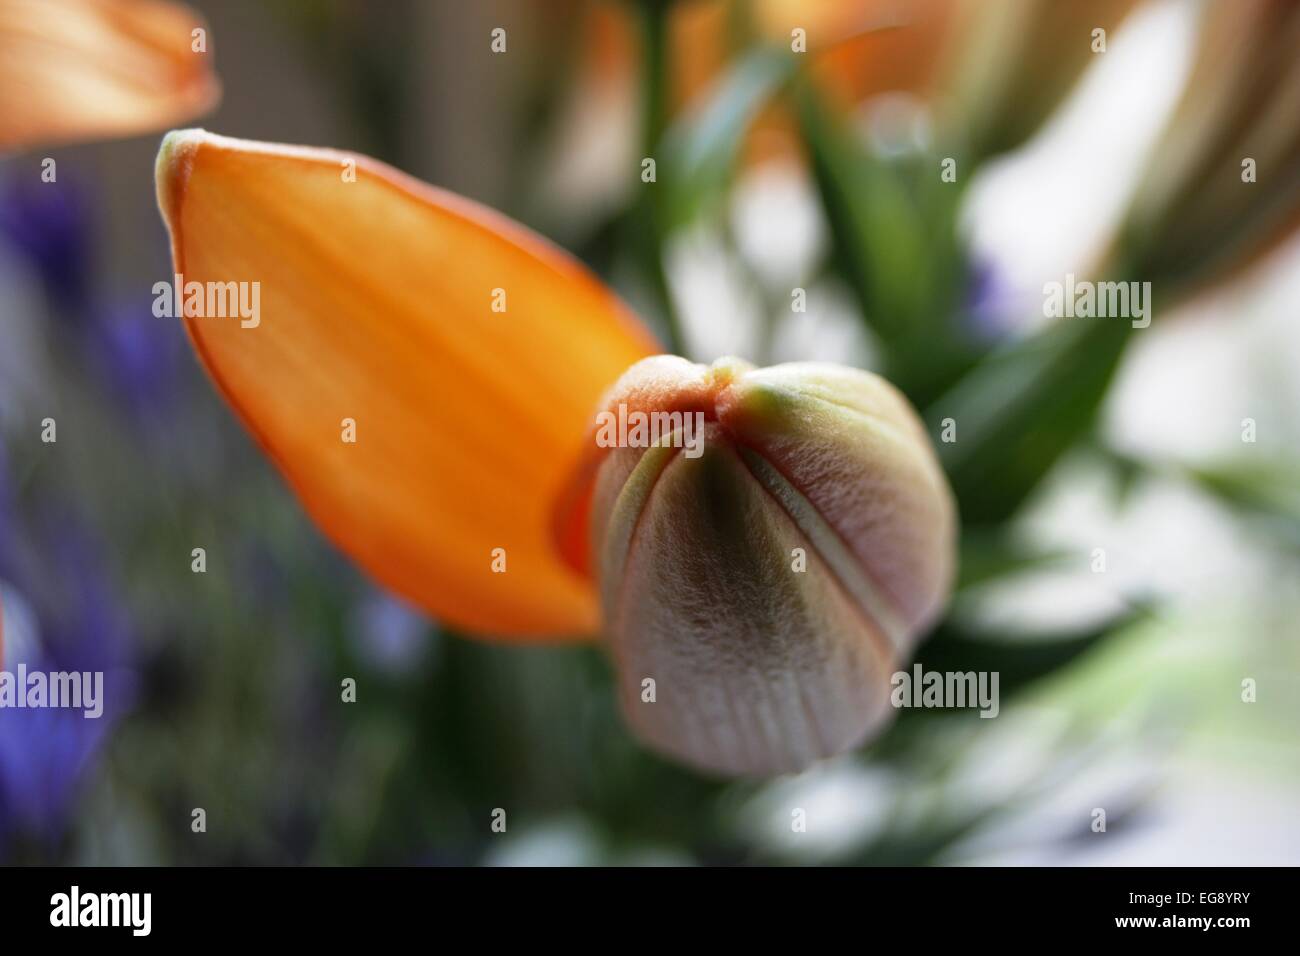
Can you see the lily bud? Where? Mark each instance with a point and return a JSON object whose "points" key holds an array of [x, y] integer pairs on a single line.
{"points": [[1016, 61], [1220, 190], [770, 543]]}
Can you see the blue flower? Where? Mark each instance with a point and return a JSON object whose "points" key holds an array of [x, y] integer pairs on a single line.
{"points": [[137, 356], [61, 614], [50, 224]]}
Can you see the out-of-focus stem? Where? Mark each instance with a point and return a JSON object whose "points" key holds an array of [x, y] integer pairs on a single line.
{"points": [[648, 218]]}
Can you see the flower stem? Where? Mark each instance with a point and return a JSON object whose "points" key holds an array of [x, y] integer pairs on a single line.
{"points": [[648, 219]]}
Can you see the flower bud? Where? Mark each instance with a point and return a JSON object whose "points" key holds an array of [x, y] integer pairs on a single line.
{"points": [[1017, 61], [769, 544], [1199, 217]]}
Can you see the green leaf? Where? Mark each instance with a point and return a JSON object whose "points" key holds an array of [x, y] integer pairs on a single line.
{"points": [[1266, 490], [989, 554], [894, 239], [878, 241], [1021, 662], [699, 152], [1021, 408]]}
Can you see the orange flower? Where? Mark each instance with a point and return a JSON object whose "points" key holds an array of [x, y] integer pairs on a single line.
{"points": [[854, 50], [88, 69], [379, 295], [426, 373], [995, 71], [858, 48]]}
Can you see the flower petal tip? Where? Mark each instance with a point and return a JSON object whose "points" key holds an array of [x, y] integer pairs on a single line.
{"points": [[172, 170]]}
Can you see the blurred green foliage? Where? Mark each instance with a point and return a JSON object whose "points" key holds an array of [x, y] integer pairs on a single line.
{"points": [[240, 669]]}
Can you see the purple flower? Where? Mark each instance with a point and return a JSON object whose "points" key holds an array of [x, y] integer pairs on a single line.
{"points": [[61, 615], [6, 507], [49, 223], [137, 356], [134, 354], [43, 754], [989, 303], [388, 634]]}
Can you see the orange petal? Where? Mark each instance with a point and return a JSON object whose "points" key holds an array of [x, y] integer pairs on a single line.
{"points": [[376, 305], [89, 69], [865, 48]]}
